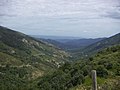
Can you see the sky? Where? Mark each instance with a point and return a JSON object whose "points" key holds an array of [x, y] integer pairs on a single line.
{"points": [[76, 18]]}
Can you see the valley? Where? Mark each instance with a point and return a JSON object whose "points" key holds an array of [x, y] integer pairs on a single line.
{"points": [[34, 63], [59, 44]]}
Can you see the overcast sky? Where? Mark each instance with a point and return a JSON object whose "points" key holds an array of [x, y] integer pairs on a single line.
{"points": [[78, 18]]}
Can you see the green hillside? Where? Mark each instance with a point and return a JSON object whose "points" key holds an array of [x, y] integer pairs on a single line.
{"points": [[114, 40], [95, 47], [77, 76], [30, 64], [107, 65], [23, 58]]}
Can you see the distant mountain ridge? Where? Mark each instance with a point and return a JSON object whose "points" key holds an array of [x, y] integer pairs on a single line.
{"points": [[80, 43], [55, 37], [71, 44], [113, 40], [96, 47]]}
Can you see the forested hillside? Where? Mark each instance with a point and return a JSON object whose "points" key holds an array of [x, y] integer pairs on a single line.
{"points": [[96, 47], [113, 40], [77, 76], [23, 59]]}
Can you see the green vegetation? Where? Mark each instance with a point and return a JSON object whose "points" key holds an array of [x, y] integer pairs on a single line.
{"points": [[66, 77], [23, 59], [29, 64], [105, 62], [114, 40], [96, 47]]}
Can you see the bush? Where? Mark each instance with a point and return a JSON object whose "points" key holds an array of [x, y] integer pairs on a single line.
{"points": [[102, 72]]}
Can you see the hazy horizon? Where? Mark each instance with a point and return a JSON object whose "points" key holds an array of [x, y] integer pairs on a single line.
{"points": [[64, 37], [72, 18]]}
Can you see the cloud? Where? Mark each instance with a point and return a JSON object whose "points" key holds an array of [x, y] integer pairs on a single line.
{"points": [[114, 15], [82, 18], [81, 8]]}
